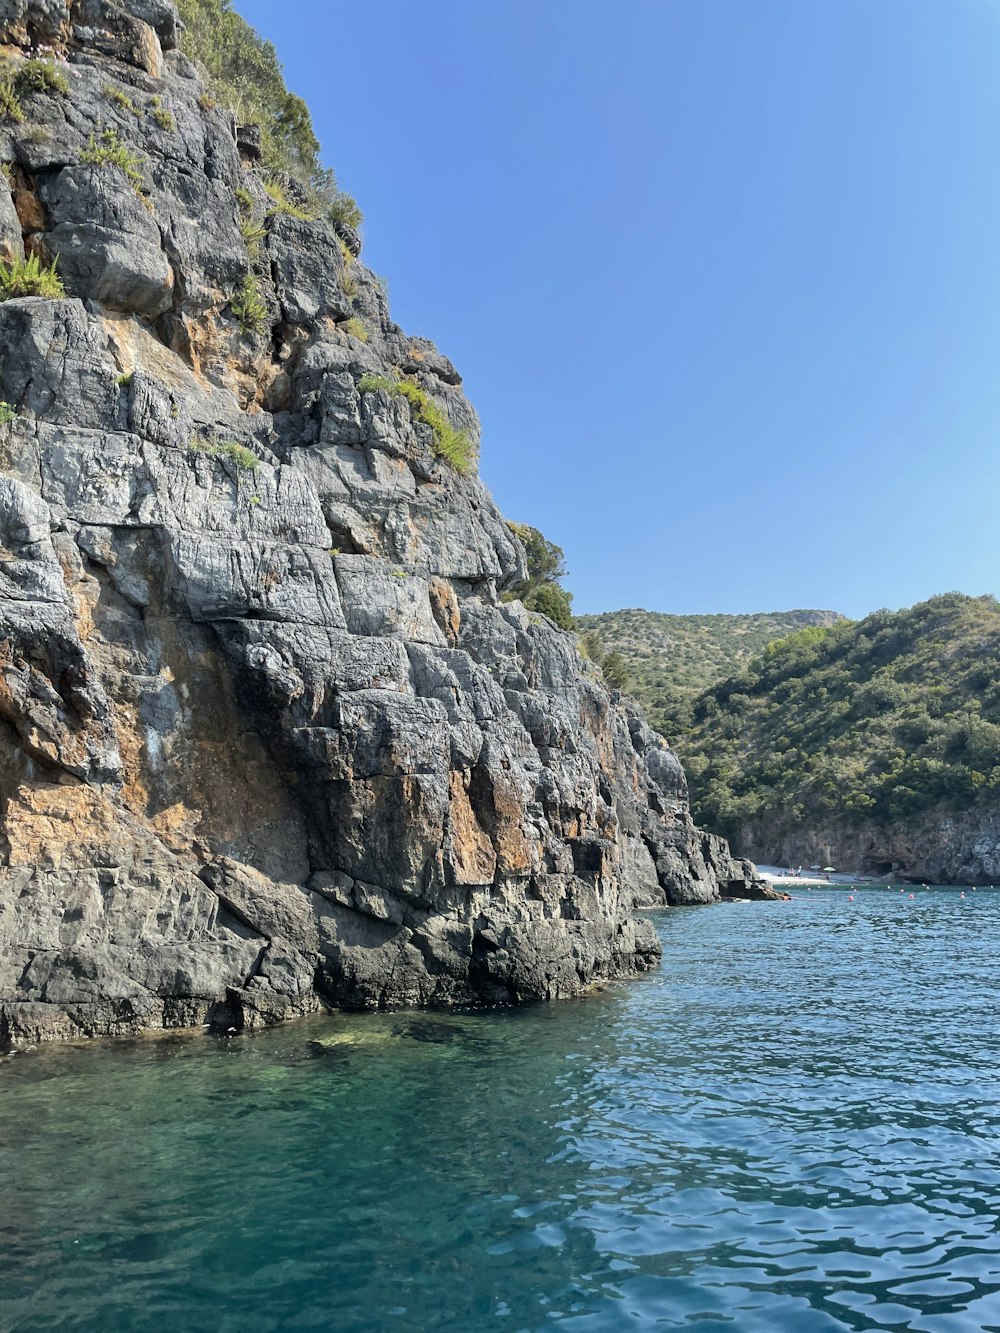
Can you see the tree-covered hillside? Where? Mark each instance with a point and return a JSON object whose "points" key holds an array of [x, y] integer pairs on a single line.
{"points": [[671, 659], [874, 722]]}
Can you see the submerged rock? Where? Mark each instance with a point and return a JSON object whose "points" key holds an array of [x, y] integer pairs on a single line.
{"points": [[270, 734]]}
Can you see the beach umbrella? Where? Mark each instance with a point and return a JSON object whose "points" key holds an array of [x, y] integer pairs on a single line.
{"points": [[814, 867], [827, 869]]}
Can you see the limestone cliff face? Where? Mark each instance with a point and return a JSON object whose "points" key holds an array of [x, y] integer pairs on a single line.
{"points": [[939, 847], [268, 731]]}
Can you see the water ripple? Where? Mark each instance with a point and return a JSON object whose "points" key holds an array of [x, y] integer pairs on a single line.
{"points": [[793, 1125]]}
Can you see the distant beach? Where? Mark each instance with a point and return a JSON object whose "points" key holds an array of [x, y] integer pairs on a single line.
{"points": [[782, 875]]}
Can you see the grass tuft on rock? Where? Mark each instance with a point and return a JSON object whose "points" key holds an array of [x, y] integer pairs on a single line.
{"points": [[253, 232], [279, 197], [110, 151], [452, 446], [239, 453], [163, 117], [249, 306], [119, 98]]}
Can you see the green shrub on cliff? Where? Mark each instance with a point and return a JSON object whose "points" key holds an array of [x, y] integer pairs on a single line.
{"points": [[553, 602], [10, 103], [21, 79], [162, 115], [110, 151], [453, 446], [119, 98], [245, 74], [249, 306], [613, 666], [40, 76], [30, 277], [543, 590], [239, 453]]}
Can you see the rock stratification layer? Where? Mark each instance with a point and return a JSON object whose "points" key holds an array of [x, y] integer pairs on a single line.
{"points": [[269, 732]]}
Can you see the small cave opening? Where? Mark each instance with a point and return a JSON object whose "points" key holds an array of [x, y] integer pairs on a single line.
{"points": [[341, 541]]}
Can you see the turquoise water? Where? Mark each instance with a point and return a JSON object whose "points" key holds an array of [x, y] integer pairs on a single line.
{"points": [[794, 1125]]}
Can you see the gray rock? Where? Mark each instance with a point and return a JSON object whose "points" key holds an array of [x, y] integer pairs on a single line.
{"points": [[107, 244], [11, 241], [308, 270]]}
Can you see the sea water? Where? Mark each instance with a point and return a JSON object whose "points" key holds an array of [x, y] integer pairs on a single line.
{"points": [[793, 1125]]}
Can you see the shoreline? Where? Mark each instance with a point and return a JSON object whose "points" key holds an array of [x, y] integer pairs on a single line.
{"points": [[845, 880], [775, 875]]}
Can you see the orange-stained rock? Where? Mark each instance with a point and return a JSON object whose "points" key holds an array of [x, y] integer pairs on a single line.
{"points": [[471, 856]]}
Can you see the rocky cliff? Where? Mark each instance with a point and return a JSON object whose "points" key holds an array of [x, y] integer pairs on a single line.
{"points": [[941, 847], [269, 733]]}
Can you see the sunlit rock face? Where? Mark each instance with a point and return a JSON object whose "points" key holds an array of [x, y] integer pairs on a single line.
{"points": [[270, 736]]}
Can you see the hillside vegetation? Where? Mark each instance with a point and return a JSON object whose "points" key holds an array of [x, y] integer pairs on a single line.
{"points": [[872, 722], [671, 659]]}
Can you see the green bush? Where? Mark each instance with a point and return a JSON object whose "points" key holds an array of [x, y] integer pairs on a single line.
{"points": [[30, 277], [10, 103], [22, 79], [542, 590], [8, 413], [249, 306], [545, 560], [40, 76], [356, 329], [551, 601], [342, 208], [613, 667], [546, 565]]}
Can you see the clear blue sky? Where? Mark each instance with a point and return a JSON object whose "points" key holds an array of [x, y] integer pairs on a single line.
{"points": [[722, 276]]}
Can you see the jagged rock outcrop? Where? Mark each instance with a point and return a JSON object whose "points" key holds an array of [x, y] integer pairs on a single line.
{"points": [[269, 732]]}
